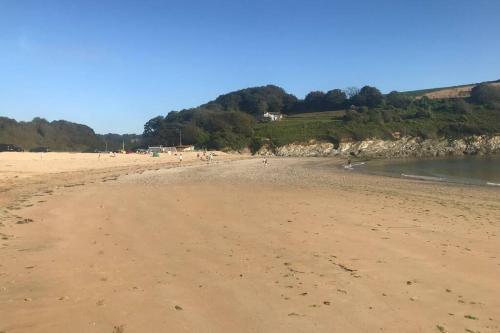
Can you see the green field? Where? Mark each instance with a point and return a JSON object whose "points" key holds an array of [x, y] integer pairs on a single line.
{"points": [[330, 126], [302, 127]]}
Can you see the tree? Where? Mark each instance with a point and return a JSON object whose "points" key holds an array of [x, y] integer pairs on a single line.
{"points": [[398, 99], [193, 135], [351, 91], [255, 101], [152, 126], [460, 106], [314, 101], [351, 115], [368, 96], [335, 99], [485, 94], [289, 103]]}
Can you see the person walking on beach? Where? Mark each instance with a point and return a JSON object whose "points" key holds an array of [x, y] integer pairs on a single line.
{"points": [[180, 158]]}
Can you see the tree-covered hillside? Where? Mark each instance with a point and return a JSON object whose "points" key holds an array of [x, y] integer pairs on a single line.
{"points": [[233, 121], [57, 136], [255, 101]]}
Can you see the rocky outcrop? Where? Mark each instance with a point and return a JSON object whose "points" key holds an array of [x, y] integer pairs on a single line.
{"points": [[404, 147]]}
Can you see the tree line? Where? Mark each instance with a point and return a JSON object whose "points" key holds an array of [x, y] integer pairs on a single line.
{"points": [[42, 135], [229, 121]]}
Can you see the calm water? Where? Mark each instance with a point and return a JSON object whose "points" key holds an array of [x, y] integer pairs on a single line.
{"points": [[480, 170]]}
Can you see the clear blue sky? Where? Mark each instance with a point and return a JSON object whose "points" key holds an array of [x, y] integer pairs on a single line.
{"points": [[115, 64]]}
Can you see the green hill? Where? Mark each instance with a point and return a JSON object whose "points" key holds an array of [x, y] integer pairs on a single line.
{"points": [[234, 120], [58, 135]]}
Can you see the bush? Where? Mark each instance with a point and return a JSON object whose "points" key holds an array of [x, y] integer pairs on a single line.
{"points": [[368, 96], [397, 99], [485, 94], [460, 106], [255, 144], [423, 114]]}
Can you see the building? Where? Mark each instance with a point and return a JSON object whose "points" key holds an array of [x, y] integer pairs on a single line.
{"points": [[185, 148], [161, 149], [272, 116]]}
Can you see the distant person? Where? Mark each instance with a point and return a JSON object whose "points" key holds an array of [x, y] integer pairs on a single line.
{"points": [[265, 161], [180, 158], [348, 164]]}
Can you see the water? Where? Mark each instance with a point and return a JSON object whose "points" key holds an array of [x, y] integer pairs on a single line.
{"points": [[478, 170]]}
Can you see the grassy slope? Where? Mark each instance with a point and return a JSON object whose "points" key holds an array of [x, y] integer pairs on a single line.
{"points": [[421, 92], [301, 127], [330, 127]]}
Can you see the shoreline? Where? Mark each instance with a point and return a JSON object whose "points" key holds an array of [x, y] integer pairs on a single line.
{"points": [[368, 168]]}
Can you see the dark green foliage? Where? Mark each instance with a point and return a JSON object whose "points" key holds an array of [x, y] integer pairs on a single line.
{"points": [[226, 122], [231, 120], [367, 96], [460, 106], [315, 101], [203, 127], [485, 94], [397, 99], [319, 101], [335, 99], [56, 135], [255, 101], [41, 135], [255, 144]]}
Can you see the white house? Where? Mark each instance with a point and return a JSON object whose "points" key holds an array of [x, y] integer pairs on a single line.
{"points": [[272, 116]]}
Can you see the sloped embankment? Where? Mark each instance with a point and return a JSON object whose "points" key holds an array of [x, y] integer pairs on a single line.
{"points": [[404, 147]]}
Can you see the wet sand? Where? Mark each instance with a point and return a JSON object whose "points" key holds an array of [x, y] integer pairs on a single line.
{"points": [[300, 245]]}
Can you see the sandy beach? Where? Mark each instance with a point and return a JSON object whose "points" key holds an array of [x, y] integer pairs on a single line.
{"points": [[138, 244]]}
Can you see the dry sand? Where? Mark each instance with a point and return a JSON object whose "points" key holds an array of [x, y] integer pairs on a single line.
{"points": [[298, 246]]}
